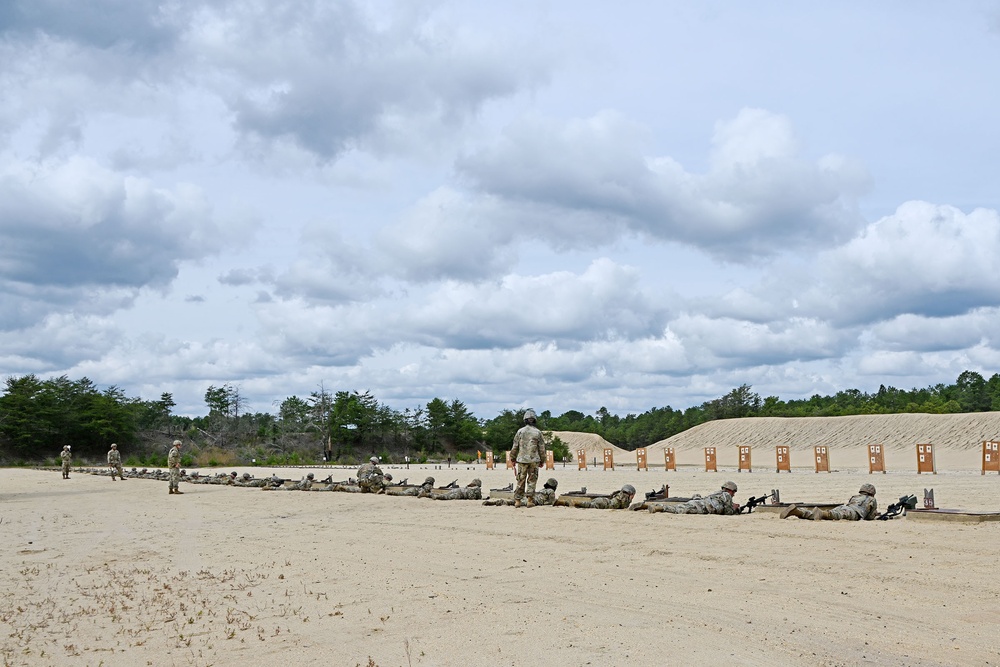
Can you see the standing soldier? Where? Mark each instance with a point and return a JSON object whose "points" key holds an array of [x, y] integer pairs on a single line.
{"points": [[174, 463], [528, 452], [115, 462], [67, 457]]}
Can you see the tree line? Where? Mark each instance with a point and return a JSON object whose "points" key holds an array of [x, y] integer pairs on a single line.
{"points": [[38, 416]]}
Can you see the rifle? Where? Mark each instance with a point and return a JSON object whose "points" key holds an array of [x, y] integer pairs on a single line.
{"points": [[897, 508], [452, 485], [402, 482], [753, 502], [328, 480], [657, 495]]}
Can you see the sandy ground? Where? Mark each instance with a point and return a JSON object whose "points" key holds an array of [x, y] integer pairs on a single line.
{"points": [[108, 573]]}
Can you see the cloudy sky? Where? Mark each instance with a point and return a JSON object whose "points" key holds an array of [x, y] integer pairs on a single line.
{"points": [[557, 204]]}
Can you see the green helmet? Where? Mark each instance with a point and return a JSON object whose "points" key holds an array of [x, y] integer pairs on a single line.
{"points": [[429, 480], [629, 489], [476, 482], [731, 486], [867, 489], [551, 483]]}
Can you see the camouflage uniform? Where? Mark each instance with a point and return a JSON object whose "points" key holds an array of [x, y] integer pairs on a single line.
{"points": [[422, 491], [619, 500], [474, 491], [861, 507], [528, 451], [720, 502], [115, 463], [67, 457], [301, 485], [543, 497], [547, 496], [370, 477], [174, 464]]}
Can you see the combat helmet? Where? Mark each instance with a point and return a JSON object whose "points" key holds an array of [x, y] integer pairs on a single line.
{"points": [[731, 486], [310, 476], [429, 480], [551, 483], [867, 489], [388, 477], [247, 475], [529, 415], [476, 482], [629, 489]]}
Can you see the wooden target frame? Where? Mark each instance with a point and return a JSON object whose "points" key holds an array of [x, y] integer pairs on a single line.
{"points": [[550, 460], [640, 459], [581, 459], [609, 458], [711, 464], [669, 461], [876, 458], [745, 462], [510, 461], [991, 456], [489, 461], [925, 459], [782, 457], [822, 458]]}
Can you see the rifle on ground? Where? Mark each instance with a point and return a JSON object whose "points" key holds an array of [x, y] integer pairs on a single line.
{"points": [[452, 485], [753, 502], [899, 507], [658, 495]]}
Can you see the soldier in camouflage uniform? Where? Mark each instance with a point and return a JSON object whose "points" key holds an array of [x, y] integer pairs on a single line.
{"points": [[248, 480], [370, 477], [473, 491], [547, 496], [619, 500], [67, 458], [422, 491], [720, 502], [115, 462], [528, 451], [174, 464], [861, 507]]}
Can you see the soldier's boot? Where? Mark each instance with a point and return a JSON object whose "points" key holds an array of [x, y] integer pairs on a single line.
{"points": [[178, 492], [653, 509], [796, 511], [170, 491], [820, 514], [517, 503], [531, 502]]}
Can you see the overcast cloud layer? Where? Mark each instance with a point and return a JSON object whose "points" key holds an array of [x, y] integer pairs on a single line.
{"points": [[562, 205]]}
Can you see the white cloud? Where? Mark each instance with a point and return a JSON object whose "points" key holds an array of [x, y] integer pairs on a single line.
{"points": [[759, 199]]}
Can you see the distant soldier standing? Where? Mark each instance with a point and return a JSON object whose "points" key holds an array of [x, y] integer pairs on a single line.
{"points": [[174, 464], [67, 457], [115, 462], [528, 452]]}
